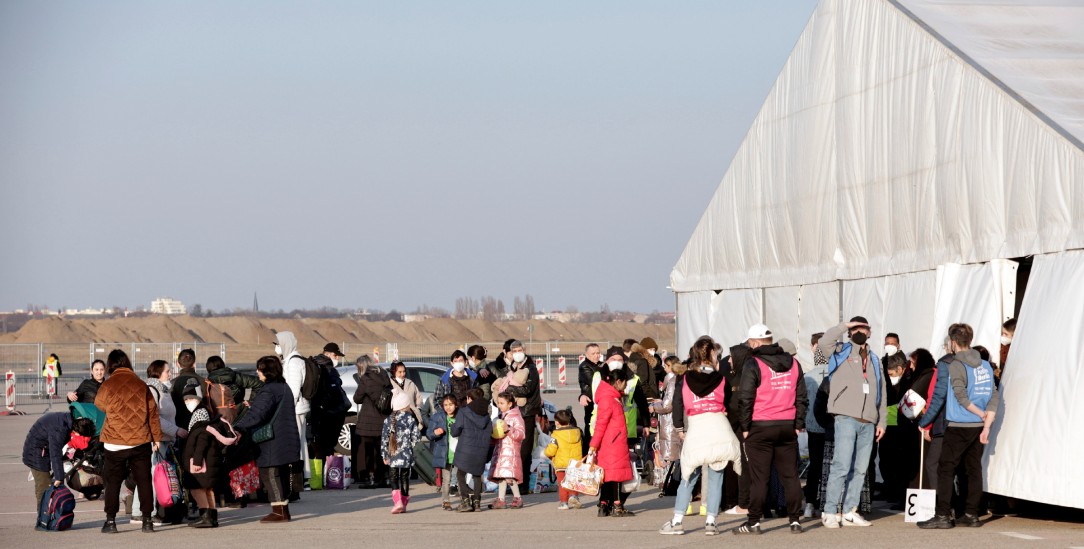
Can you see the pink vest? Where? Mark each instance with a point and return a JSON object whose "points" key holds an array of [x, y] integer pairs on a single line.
{"points": [[711, 404], [775, 396]]}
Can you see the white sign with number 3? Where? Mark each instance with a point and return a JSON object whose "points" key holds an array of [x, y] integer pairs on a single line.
{"points": [[919, 505]]}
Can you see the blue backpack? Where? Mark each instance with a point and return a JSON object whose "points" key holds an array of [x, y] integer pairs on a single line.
{"points": [[56, 511], [841, 355]]}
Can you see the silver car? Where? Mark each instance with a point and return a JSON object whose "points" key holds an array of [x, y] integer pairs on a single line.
{"points": [[425, 375]]}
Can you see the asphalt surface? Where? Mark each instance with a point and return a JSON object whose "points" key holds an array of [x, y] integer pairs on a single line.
{"points": [[327, 518]]}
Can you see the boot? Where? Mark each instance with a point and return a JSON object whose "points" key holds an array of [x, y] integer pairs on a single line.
{"points": [[203, 521], [213, 514], [148, 525], [276, 515], [397, 502], [110, 526], [286, 512], [476, 502], [465, 505], [406, 500]]}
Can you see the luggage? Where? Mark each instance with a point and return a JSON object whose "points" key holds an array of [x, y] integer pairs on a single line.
{"points": [[583, 476], [423, 463], [56, 511]]}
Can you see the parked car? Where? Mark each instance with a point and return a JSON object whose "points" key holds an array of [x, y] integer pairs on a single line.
{"points": [[425, 375]]}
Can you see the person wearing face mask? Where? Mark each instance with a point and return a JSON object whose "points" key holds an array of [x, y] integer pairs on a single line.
{"points": [[329, 405], [476, 361], [642, 360], [898, 450], [293, 371], [43, 448], [525, 388], [457, 381], [1008, 331], [892, 345], [186, 362], [857, 400]]}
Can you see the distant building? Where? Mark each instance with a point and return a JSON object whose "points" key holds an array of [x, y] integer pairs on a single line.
{"points": [[168, 306], [416, 318]]}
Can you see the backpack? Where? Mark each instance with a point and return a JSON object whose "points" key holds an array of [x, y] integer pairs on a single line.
{"points": [[311, 385], [220, 399], [332, 398], [56, 510], [383, 404]]}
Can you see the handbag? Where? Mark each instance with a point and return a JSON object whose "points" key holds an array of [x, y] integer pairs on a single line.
{"points": [[167, 486], [245, 479], [583, 476], [266, 431]]}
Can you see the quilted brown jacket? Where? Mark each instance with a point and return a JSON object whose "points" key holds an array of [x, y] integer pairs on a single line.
{"points": [[131, 415]]}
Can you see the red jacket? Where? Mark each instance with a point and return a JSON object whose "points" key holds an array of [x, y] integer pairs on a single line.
{"points": [[610, 437]]}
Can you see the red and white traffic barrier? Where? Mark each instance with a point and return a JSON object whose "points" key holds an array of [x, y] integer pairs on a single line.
{"points": [[9, 391], [540, 366], [561, 371]]}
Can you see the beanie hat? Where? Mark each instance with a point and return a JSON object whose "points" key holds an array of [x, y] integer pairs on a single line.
{"points": [[191, 390], [614, 351], [648, 343]]}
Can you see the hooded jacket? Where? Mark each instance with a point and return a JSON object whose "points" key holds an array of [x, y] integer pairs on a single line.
{"points": [[732, 367], [643, 365], [529, 390], [458, 386], [472, 427], [954, 385], [610, 435], [780, 362], [293, 370], [187, 376], [44, 444], [700, 384]]}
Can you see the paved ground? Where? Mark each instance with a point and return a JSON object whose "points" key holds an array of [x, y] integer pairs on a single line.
{"points": [[339, 517]]}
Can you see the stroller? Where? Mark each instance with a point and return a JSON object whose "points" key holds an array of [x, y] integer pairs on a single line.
{"points": [[85, 472]]}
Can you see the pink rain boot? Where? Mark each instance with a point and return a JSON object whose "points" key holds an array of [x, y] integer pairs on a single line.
{"points": [[397, 502], [406, 500]]}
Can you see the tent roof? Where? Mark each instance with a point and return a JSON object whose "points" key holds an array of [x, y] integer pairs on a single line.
{"points": [[902, 135]]}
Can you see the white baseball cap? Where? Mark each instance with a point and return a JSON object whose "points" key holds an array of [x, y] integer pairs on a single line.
{"points": [[759, 331]]}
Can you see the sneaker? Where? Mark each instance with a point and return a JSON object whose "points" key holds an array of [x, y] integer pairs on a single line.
{"points": [[574, 502], [969, 521], [938, 522], [710, 529], [621, 511], [747, 528], [854, 519], [808, 511], [795, 527], [671, 529], [604, 510], [517, 503], [307, 487], [830, 520], [498, 504], [563, 506], [110, 527], [735, 510]]}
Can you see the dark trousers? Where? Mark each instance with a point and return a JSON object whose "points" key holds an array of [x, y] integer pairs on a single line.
{"points": [[766, 445], [368, 460], [464, 488], [326, 431], [816, 468], [587, 411], [898, 451], [744, 497], [118, 465], [610, 494], [526, 448], [961, 446], [278, 483]]}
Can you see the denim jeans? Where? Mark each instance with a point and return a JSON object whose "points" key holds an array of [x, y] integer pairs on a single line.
{"points": [[714, 496], [850, 461]]}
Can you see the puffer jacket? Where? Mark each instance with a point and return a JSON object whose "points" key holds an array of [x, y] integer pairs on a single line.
{"points": [[507, 461], [285, 447], [669, 441], [440, 444], [42, 449], [567, 444], [131, 415], [87, 390], [530, 391], [610, 439], [472, 428]]}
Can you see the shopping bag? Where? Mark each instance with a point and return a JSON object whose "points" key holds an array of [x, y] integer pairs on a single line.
{"points": [[167, 485], [912, 404], [335, 471], [583, 476], [316, 482], [245, 480], [920, 504]]}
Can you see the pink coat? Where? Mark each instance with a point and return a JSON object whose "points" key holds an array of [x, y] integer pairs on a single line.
{"points": [[610, 437], [507, 462]]}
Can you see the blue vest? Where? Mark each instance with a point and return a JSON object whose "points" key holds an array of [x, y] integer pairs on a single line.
{"points": [[980, 387], [841, 356]]}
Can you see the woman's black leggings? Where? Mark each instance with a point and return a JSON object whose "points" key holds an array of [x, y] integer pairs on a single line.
{"points": [[610, 492], [400, 479], [464, 489]]}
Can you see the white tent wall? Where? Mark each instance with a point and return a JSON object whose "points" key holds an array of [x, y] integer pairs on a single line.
{"points": [[1035, 452], [693, 314], [909, 305], [979, 295], [866, 298], [817, 310], [732, 313], [781, 312]]}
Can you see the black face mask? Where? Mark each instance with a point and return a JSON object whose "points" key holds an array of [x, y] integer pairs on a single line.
{"points": [[858, 338]]}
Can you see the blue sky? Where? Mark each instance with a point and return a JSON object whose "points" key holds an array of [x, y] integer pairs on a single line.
{"points": [[369, 154]]}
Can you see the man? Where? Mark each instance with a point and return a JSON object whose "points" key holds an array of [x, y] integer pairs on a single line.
{"points": [[735, 485], [592, 357], [892, 344], [293, 369], [130, 434], [773, 403], [970, 411], [329, 407], [856, 399], [530, 392]]}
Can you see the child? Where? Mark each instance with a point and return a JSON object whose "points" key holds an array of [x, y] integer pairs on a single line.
{"points": [[443, 444], [397, 441], [471, 429], [208, 435], [507, 467], [567, 444]]}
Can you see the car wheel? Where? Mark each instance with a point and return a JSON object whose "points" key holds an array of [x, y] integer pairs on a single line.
{"points": [[346, 435]]}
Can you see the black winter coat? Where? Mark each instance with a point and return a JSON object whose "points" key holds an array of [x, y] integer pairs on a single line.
{"points": [[87, 390], [587, 373], [473, 429], [45, 441], [777, 361], [530, 390], [285, 448], [370, 420], [176, 391], [329, 403], [204, 449]]}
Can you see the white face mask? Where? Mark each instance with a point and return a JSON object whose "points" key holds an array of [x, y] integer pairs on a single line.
{"points": [[518, 357], [894, 379], [278, 350], [891, 350], [471, 362], [1006, 340], [458, 366], [707, 369], [615, 365], [335, 362], [191, 405], [651, 352]]}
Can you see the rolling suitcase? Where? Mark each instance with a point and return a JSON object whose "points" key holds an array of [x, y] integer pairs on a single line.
{"points": [[423, 463]]}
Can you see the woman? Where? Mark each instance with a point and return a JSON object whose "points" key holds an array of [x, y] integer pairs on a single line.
{"points": [[609, 445], [669, 440], [274, 406], [209, 433], [709, 443], [924, 376], [399, 435], [372, 381], [898, 448], [88, 389], [457, 381], [476, 360]]}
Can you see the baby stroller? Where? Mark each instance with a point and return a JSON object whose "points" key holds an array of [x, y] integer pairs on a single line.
{"points": [[85, 473]]}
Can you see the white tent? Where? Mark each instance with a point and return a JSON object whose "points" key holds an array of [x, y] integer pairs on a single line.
{"points": [[907, 152]]}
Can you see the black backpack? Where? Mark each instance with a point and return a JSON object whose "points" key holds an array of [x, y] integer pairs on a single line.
{"points": [[383, 404], [332, 398], [311, 386]]}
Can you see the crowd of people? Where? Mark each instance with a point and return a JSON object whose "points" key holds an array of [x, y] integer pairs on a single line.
{"points": [[724, 422]]}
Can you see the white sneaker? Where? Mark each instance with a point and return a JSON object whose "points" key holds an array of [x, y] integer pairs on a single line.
{"points": [[854, 519], [735, 510], [808, 511], [830, 520], [671, 529], [574, 502]]}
